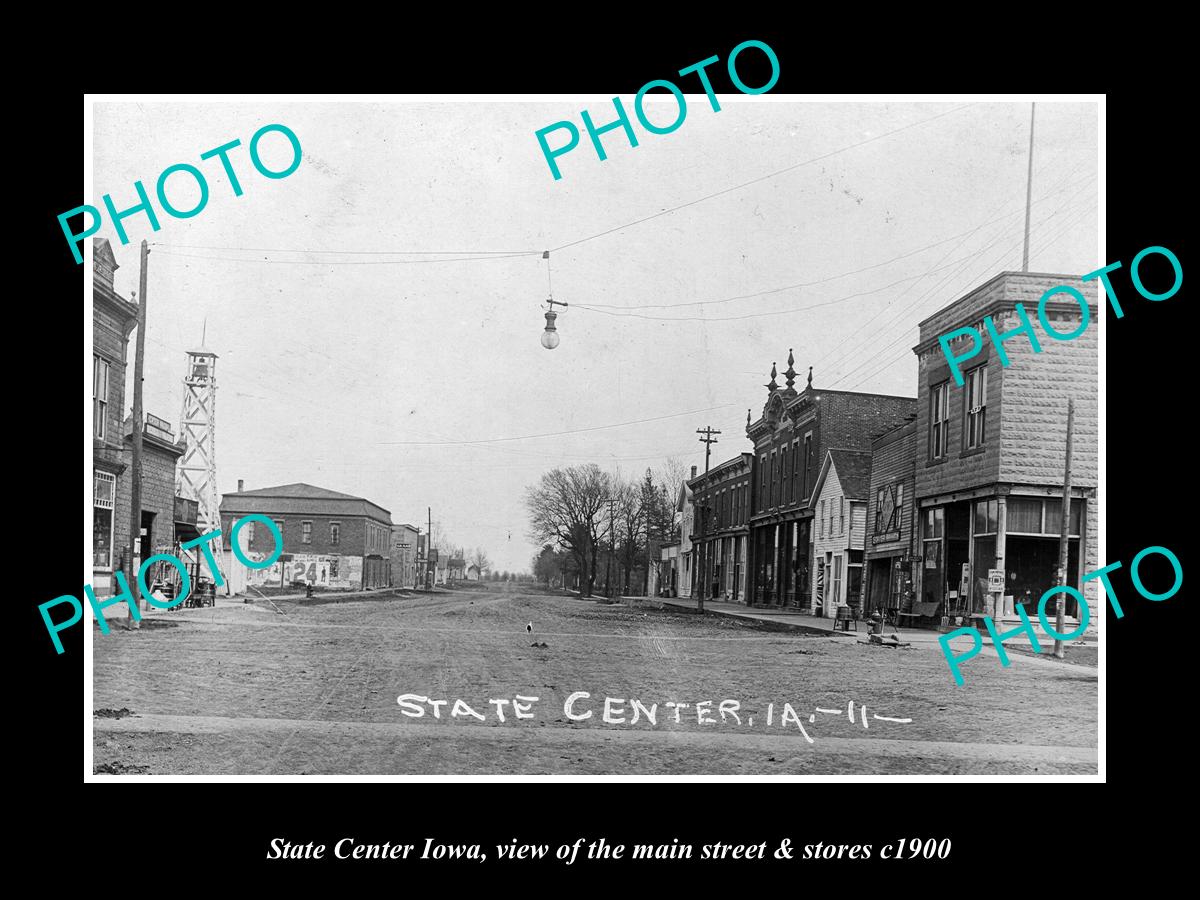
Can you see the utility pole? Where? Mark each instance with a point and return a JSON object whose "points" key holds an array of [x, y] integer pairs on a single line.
{"points": [[429, 550], [1029, 189], [135, 500], [708, 440], [1064, 530]]}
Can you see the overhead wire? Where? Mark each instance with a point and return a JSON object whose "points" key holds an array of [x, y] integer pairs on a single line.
{"points": [[874, 358], [762, 178], [862, 339]]}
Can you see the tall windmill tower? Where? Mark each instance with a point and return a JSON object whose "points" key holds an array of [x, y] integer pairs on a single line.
{"points": [[196, 473]]}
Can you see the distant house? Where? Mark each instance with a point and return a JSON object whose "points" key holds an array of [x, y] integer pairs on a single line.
{"points": [[474, 573], [456, 569], [329, 539]]}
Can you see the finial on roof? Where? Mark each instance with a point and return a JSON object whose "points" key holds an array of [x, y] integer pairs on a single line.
{"points": [[747, 418], [810, 376], [773, 385], [791, 372]]}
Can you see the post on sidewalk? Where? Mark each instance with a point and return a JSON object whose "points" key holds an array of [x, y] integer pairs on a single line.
{"points": [[1063, 531]]}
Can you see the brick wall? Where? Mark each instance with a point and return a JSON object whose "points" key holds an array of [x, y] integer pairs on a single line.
{"points": [[851, 421], [352, 535]]}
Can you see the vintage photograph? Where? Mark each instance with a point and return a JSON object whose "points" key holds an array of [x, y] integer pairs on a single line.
{"points": [[514, 436]]}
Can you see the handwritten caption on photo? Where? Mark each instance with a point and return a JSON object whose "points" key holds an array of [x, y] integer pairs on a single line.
{"points": [[613, 711], [185, 580]]}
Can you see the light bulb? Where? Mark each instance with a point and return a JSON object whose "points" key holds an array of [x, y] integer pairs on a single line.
{"points": [[550, 335]]}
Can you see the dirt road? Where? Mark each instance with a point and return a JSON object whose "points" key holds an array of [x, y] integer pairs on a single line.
{"points": [[245, 690]]}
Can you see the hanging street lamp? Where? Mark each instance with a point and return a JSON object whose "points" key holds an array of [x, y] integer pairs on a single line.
{"points": [[550, 335]]}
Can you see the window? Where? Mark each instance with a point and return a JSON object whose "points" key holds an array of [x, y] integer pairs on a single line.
{"points": [[279, 525], [835, 584], [785, 490], [975, 407], [822, 525], [986, 512], [248, 530], [99, 397], [939, 420], [841, 515], [762, 482], [104, 487], [807, 459], [774, 478], [795, 471], [306, 532], [934, 522], [335, 533], [1030, 515]]}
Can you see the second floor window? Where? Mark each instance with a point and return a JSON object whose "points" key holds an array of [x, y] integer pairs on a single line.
{"points": [[841, 515], [306, 532], [807, 459], [939, 420], [99, 396], [335, 533], [762, 482], [976, 406], [785, 491]]}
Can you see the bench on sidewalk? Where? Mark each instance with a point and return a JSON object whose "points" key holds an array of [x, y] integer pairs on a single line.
{"points": [[921, 610]]}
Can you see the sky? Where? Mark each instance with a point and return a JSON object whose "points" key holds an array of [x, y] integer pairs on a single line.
{"points": [[359, 351]]}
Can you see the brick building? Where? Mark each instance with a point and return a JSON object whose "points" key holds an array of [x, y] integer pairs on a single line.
{"points": [[721, 500], [840, 506], [991, 452], [791, 438], [113, 320], [329, 539], [889, 547]]}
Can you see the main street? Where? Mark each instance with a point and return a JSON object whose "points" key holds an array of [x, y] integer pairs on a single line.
{"points": [[313, 688]]}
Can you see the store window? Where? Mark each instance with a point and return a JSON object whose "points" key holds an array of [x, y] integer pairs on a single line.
{"points": [[104, 489], [986, 512]]}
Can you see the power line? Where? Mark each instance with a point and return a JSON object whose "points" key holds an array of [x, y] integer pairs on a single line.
{"points": [[861, 338], [899, 311], [371, 262], [892, 361], [613, 310], [778, 312], [348, 252], [525, 437], [761, 178]]}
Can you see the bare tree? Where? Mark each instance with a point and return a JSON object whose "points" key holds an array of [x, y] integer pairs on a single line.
{"points": [[480, 560], [631, 521], [564, 507]]}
